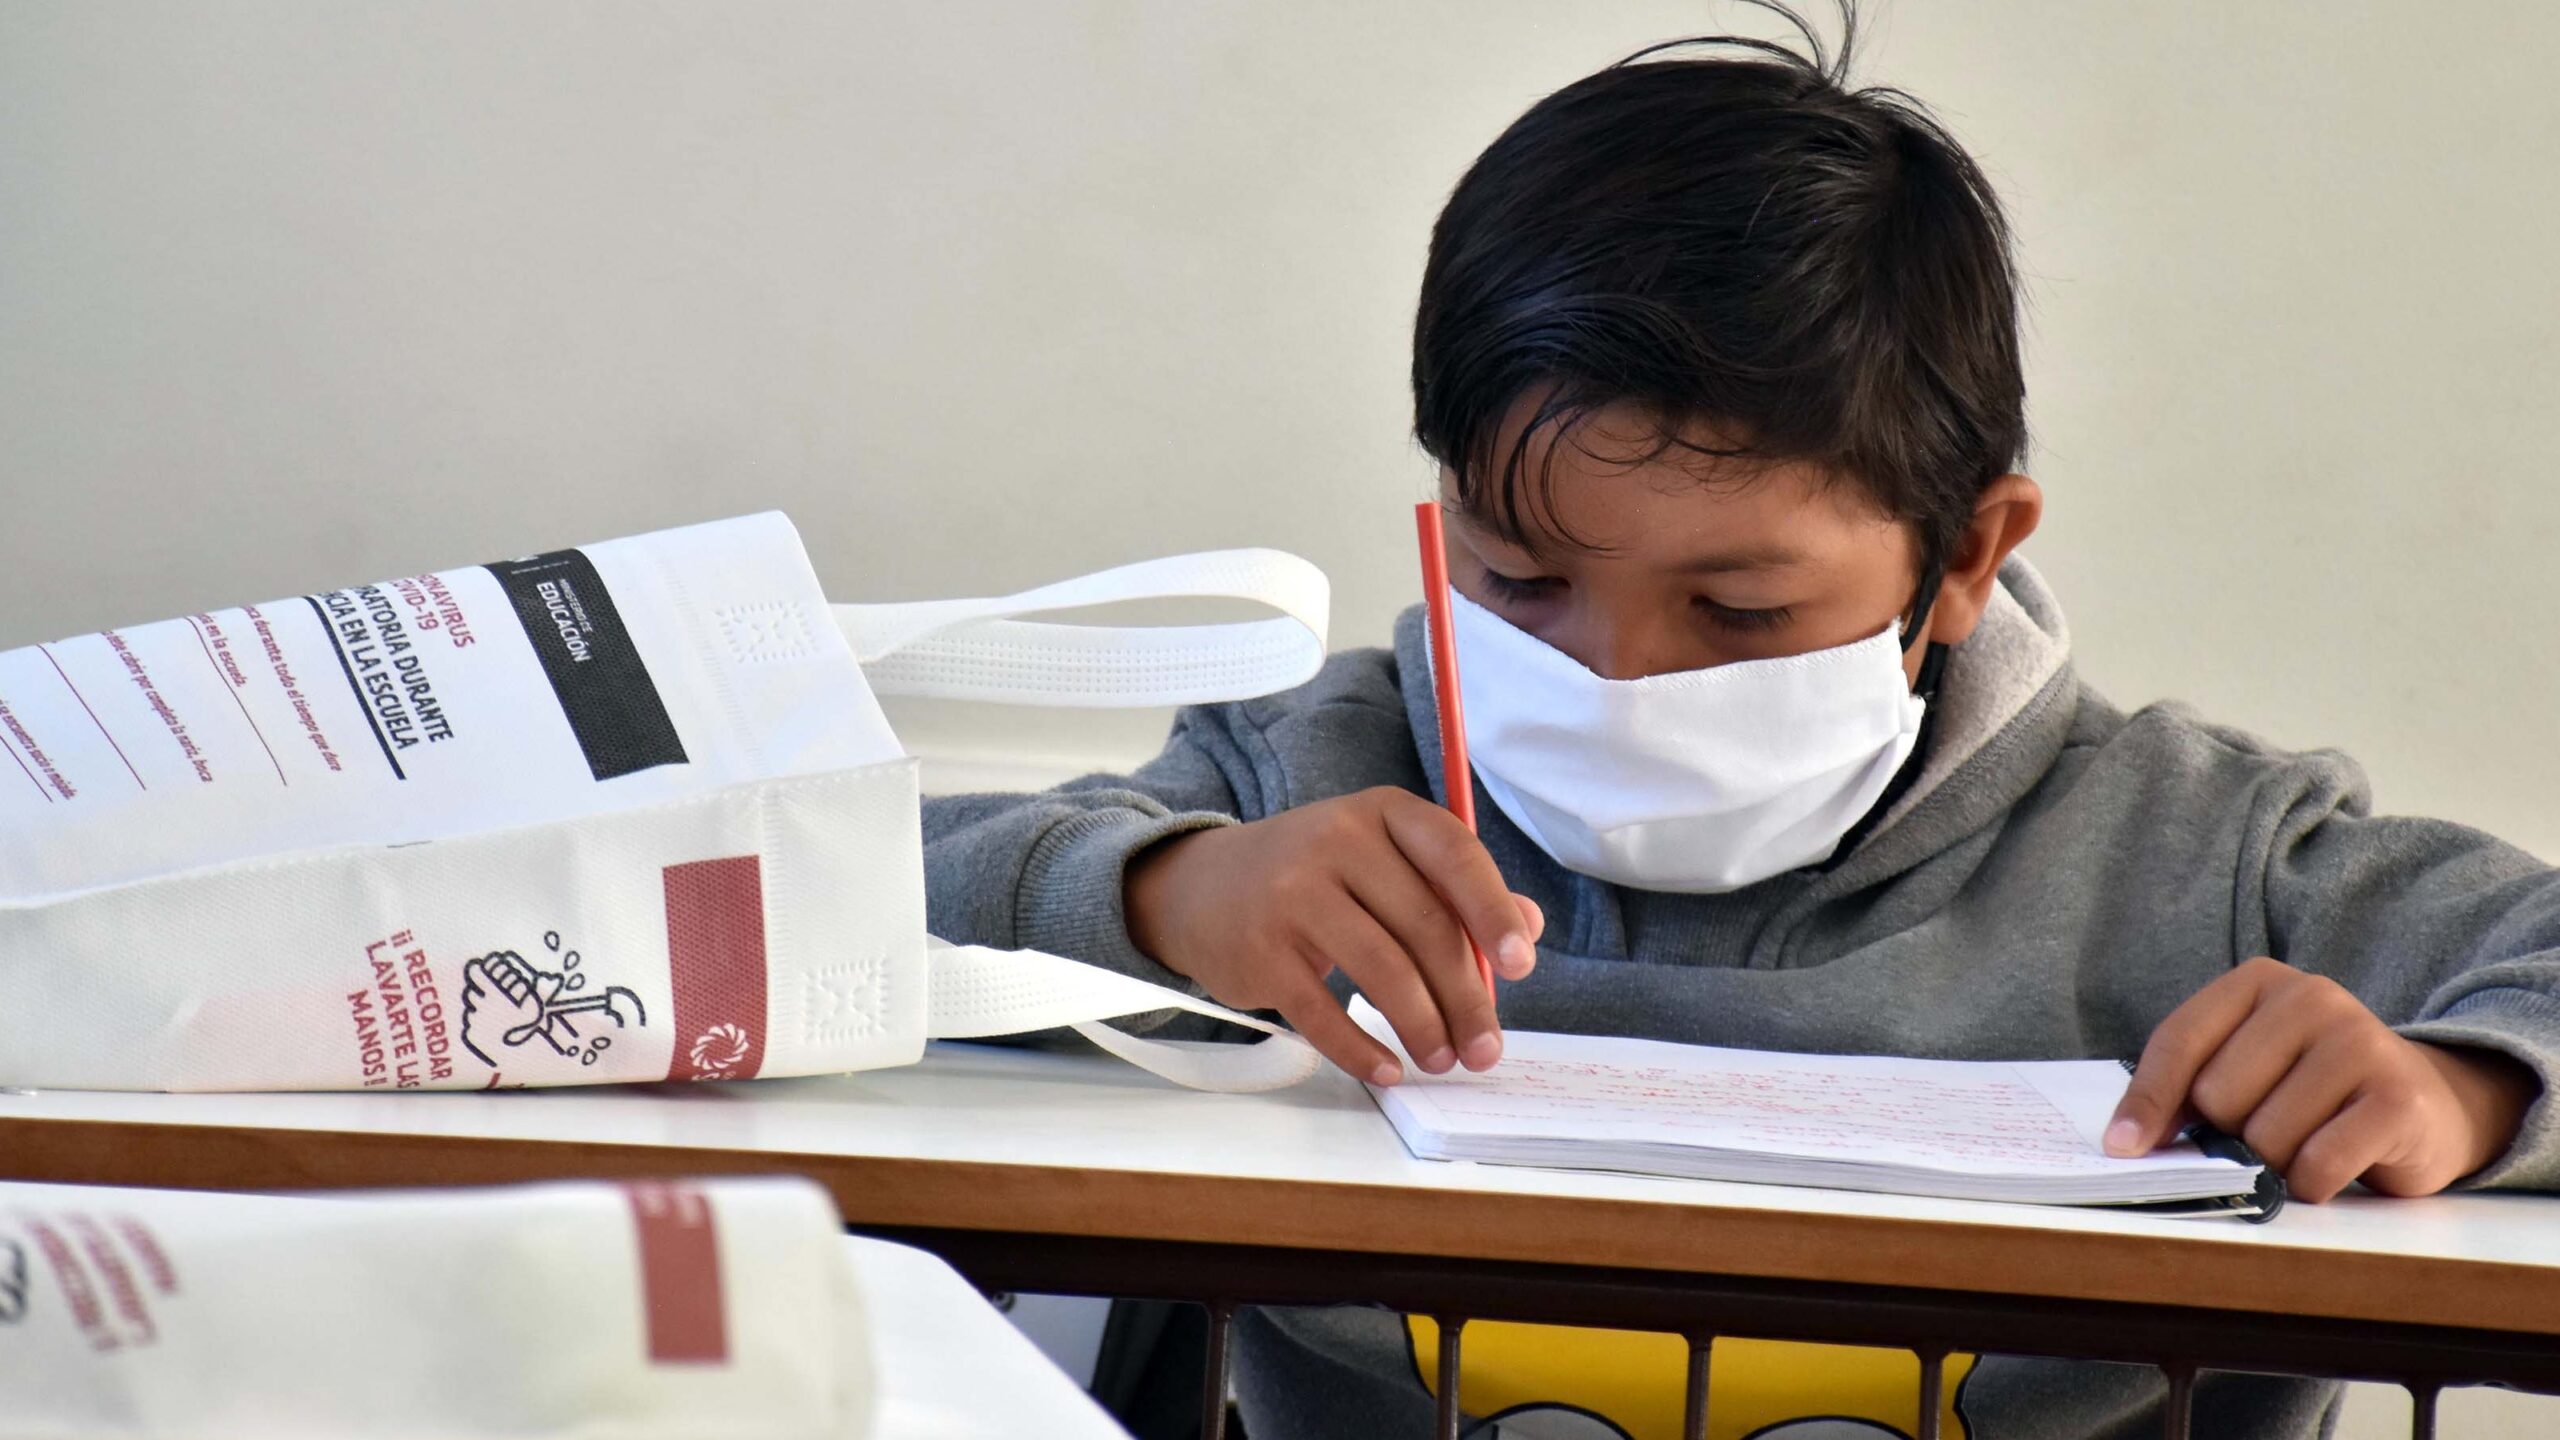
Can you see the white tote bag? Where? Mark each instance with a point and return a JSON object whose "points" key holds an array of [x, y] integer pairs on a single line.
{"points": [[654, 1311], [628, 812]]}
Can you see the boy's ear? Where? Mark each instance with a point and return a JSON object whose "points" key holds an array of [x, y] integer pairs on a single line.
{"points": [[2003, 517]]}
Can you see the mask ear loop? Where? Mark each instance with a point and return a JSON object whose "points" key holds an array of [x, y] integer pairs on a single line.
{"points": [[1924, 600], [1924, 603], [1933, 665]]}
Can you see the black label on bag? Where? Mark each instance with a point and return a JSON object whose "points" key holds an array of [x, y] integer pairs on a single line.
{"points": [[603, 686]]}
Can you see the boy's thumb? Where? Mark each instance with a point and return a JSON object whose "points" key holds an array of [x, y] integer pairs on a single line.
{"points": [[2143, 1118], [1531, 916]]}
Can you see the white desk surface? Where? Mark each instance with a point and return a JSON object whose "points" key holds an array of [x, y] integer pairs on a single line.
{"points": [[950, 1368], [988, 1137]]}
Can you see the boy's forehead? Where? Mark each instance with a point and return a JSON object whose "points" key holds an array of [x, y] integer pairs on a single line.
{"points": [[1608, 487]]}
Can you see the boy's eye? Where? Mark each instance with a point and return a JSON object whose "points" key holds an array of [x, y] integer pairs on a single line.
{"points": [[1514, 588], [1773, 618]]}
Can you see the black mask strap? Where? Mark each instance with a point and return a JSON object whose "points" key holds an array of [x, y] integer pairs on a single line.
{"points": [[1933, 666], [1924, 600]]}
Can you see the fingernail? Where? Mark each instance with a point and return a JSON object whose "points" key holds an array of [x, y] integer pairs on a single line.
{"points": [[1519, 957], [2125, 1137], [1438, 1061], [1387, 1073], [1483, 1050]]}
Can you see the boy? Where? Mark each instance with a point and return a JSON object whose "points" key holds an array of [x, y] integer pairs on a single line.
{"points": [[1782, 744]]}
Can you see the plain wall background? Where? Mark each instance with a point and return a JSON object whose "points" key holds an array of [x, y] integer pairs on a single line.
{"points": [[301, 294]]}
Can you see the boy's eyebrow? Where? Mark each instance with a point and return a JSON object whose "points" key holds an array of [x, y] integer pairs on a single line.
{"points": [[1769, 556], [1760, 557]]}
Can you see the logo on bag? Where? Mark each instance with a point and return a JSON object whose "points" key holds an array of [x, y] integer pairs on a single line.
{"points": [[716, 967], [717, 1052], [509, 1003], [593, 663]]}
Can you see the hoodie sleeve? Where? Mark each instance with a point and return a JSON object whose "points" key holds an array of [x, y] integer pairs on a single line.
{"points": [[1045, 871], [2452, 937]]}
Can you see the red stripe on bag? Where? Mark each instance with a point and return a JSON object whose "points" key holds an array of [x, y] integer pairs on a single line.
{"points": [[715, 951], [680, 1295]]}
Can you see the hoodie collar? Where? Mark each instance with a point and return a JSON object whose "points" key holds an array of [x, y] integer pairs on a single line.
{"points": [[2020, 644]]}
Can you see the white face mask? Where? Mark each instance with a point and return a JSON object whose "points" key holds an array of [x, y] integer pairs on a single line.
{"points": [[1697, 782]]}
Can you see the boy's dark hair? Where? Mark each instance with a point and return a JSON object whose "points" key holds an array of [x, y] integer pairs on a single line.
{"points": [[1818, 273]]}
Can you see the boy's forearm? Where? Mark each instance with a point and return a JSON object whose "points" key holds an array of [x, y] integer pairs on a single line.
{"points": [[1045, 873], [1071, 899]]}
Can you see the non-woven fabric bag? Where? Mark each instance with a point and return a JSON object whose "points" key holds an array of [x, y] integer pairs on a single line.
{"points": [[627, 812], [650, 1311]]}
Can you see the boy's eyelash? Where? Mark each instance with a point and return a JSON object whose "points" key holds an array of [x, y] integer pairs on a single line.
{"points": [[1511, 587], [1775, 617]]}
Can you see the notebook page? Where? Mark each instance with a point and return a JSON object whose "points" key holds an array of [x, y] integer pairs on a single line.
{"points": [[2030, 1118]]}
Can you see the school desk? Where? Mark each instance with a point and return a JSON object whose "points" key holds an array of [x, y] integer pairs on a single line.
{"points": [[1073, 1173]]}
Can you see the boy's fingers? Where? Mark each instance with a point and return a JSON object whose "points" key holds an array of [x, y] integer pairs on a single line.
{"points": [[2312, 1093], [1534, 922], [2350, 1144], [2177, 1050], [1320, 1019], [1346, 935], [1432, 948], [1455, 862], [1533, 918], [2248, 1065], [1410, 907], [2295, 1016], [1435, 949]]}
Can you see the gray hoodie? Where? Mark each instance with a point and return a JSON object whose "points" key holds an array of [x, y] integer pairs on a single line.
{"points": [[2058, 879]]}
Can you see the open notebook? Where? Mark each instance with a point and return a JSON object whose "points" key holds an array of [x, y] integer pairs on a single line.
{"points": [[2009, 1130]]}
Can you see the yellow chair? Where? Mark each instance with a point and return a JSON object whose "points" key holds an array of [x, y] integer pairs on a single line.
{"points": [[1555, 1382]]}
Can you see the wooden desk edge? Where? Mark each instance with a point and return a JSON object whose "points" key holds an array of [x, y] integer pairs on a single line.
{"points": [[889, 1191]]}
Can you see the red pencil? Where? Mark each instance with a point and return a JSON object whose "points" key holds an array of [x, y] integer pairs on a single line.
{"points": [[1457, 776]]}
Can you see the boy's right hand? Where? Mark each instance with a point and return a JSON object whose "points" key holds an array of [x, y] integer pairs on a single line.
{"points": [[1383, 885]]}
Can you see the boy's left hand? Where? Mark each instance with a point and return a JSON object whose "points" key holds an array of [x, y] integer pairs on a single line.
{"points": [[2323, 1090]]}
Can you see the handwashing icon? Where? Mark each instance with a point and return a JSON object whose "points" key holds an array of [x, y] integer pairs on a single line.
{"points": [[511, 1002]]}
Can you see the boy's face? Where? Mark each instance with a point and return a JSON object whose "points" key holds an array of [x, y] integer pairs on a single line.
{"points": [[1685, 561]]}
